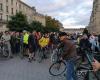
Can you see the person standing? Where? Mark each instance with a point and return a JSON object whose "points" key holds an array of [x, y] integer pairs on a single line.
{"points": [[21, 45], [32, 46], [25, 43], [17, 46], [92, 41], [13, 42]]}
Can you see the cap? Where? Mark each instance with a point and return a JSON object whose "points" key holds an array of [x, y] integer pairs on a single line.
{"points": [[24, 31]]}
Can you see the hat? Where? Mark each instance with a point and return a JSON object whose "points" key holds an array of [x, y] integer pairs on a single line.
{"points": [[62, 34], [24, 31]]}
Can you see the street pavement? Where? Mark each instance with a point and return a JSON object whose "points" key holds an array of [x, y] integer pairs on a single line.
{"points": [[21, 69]]}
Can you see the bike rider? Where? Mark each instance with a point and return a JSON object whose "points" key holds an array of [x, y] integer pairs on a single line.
{"points": [[6, 37], [69, 55], [84, 45]]}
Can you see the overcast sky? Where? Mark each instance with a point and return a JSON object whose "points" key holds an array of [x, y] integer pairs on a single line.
{"points": [[71, 13]]}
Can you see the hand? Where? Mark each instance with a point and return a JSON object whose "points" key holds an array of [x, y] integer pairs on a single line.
{"points": [[96, 65], [61, 58]]}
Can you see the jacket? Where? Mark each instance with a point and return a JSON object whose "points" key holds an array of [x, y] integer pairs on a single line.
{"points": [[85, 44], [69, 50], [25, 38], [43, 42], [32, 43]]}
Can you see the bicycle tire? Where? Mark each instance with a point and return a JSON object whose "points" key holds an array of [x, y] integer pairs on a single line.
{"points": [[81, 75], [54, 57], [60, 70]]}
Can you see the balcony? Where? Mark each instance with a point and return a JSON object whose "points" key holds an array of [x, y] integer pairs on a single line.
{"points": [[2, 21], [1, 11]]}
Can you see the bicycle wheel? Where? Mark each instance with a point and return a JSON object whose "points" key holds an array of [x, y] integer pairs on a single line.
{"points": [[57, 68], [5, 51], [54, 57], [81, 74]]}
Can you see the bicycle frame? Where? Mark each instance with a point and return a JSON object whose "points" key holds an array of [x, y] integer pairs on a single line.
{"points": [[90, 60]]}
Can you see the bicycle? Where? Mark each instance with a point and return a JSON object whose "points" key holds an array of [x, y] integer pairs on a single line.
{"points": [[4, 49], [58, 64], [82, 71], [42, 53]]}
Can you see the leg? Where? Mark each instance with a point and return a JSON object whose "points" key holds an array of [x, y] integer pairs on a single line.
{"points": [[70, 73], [30, 57], [9, 49]]}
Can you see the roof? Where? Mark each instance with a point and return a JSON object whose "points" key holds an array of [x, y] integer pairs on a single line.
{"points": [[26, 4]]}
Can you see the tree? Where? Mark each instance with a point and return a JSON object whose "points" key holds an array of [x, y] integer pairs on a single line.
{"points": [[85, 31], [35, 25], [51, 29], [18, 22], [51, 24]]}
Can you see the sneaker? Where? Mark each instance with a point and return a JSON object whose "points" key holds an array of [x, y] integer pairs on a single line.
{"points": [[30, 60]]}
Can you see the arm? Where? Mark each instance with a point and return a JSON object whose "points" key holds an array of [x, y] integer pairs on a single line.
{"points": [[65, 51]]}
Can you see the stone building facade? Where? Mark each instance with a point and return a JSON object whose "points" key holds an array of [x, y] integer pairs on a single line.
{"points": [[73, 30], [11, 7], [39, 17], [94, 25]]}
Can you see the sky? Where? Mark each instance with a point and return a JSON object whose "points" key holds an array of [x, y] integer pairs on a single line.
{"points": [[71, 13]]}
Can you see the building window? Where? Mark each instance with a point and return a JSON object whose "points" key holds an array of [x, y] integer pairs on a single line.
{"points": [[19, 6], [16, 11], [1, 7], [7, 9], [12, 2], [12, 11], [0, 16], [6, 0], [16, 3], [7, 17]]}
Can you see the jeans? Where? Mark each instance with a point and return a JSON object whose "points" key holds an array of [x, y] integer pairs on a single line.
{"points": [[17, 48], [9, 48], [70, 72]]}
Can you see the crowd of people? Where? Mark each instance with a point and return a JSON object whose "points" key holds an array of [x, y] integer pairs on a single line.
{"points": [[26, 43]]}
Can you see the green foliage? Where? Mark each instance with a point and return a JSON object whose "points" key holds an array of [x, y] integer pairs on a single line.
{"points": [[52, 25], [85, 31], [18, 22], [51, 29], [35, 25]]}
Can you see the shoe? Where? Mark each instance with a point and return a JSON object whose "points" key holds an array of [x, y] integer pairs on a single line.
{"points": [[10, 57], [30, 60]]}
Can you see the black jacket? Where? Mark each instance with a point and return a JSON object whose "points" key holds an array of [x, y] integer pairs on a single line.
{"points": [[85, 44], [32, 43]]}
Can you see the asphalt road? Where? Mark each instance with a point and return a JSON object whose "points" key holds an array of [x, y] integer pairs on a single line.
{"points": [[21, 69]]}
